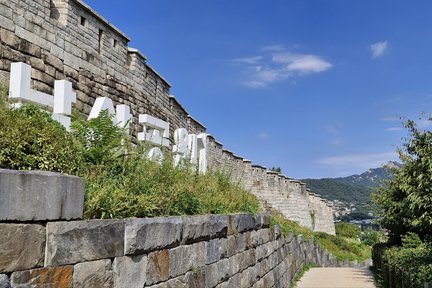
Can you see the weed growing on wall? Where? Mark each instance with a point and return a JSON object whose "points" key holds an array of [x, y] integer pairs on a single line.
{"points": [[343, 248]]}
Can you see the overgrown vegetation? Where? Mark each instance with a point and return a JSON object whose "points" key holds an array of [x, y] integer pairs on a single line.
{"points": [[405, 209], [348, 230], [343, 248], [31, 140], [120, 180]]}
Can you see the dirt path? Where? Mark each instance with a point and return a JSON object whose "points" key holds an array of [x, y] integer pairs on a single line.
{"points": [[337, 278]]}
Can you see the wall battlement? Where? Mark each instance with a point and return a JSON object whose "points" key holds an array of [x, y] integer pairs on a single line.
{"points": [[66, 39]]}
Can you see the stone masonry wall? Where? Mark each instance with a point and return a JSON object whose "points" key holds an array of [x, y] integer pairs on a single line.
{"points": [[66, 39], [274, 190], [43, 249]]}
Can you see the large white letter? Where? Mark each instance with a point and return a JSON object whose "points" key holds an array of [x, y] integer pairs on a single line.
{"points": [[101, 104], [63, 99], [180, 147], [155, 131], [202, 148], [123, 116], [20, 92]]}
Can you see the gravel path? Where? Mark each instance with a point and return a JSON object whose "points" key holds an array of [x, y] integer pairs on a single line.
{"points": [[337, 278]]}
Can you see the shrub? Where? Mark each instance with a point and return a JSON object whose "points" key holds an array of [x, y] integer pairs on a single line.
{"points": [[371, 237], [31, 140], [348, 230]]}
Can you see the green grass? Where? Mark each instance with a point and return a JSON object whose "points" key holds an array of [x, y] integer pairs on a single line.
{"points": [[134, 186], [342, 248]]}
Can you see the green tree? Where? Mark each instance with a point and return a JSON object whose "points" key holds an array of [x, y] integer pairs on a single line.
{"points": [[405, 202]]}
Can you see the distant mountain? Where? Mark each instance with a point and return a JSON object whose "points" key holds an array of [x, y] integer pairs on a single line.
{"points": [[355, 189], [371, 178]]}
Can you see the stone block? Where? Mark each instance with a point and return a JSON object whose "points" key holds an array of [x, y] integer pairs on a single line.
{"points": [[216, 249], [80, 241], [195, 228], [4, 281], [248, 277], [93, 274], [9, 38], [192, 279], [216, 273], [259, 237], [185, 258], [238, 223], [276, 232], [53, 61], [40, 195], [157, 267], [129, 271], [22, 246], [262, 220], [264, 251], [269, 279], [29, 48], [218, 226], [148, 234], [43, 277]]}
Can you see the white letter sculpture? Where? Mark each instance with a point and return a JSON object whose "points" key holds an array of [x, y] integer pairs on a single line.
{"points": [[192, 146], [180, 148], [20, 92], [155, 131], [122, 112], [202, 151]]}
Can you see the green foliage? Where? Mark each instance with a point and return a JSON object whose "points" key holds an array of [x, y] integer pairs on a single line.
{"points": [[371, 237], [411, 240], [348, 230], [31, 140], [405, 202], [334, 189], [341, 247], [99, 138], [403, 266], [276, 169]]}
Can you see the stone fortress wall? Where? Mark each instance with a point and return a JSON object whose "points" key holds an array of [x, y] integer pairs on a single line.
{"points": [[45, 244], [66, 39]]}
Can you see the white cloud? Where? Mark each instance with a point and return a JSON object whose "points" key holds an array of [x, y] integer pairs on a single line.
{"points": [[277, 64], [248, 60], [358, 161], [391, 119], [392, 129], [378, 49], [263, 135], [302, 63]]}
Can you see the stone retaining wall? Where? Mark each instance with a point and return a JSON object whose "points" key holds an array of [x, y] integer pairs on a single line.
{"points": [[66, 39], [239, 250]]}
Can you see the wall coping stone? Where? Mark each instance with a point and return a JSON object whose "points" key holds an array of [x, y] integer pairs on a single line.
{"points": [[40, 195]]}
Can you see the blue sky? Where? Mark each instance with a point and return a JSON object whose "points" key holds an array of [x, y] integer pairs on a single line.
{"points": [[315, 87]]}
